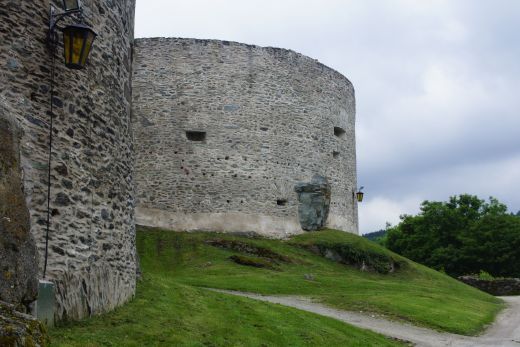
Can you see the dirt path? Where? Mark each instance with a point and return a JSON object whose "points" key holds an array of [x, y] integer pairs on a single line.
{"points": [[505, 332]]}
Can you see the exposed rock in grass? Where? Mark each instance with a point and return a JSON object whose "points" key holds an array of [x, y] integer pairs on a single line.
{"points": [[247, 248], [351, 250], [363, 259], [255, 262], [309, 277], [20, 330]]}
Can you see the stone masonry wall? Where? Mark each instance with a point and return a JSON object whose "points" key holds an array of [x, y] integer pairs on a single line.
{"points": [[261, 120], [498, 286], [92, 236]]}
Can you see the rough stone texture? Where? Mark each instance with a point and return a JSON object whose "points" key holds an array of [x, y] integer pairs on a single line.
{"points": [[20, 330], [498, 287], [92, 236], [271, 118], [313, 203], [18, 270]]}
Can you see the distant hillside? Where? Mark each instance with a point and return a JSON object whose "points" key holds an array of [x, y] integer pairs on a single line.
{"points": [[374, 236]]}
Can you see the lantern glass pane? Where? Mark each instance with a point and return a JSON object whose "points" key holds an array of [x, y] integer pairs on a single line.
{"points": [[88, 46], [66, 46], [70, 5], [78, 39], [359, 196]]}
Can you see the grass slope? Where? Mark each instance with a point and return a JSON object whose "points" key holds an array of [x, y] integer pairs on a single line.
{"points": [[170, 309], [414, 293], [166, 313]]}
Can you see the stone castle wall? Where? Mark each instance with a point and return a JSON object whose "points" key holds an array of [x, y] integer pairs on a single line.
{"points": [[223, 134], [225, 130], [497, 287], [92, 238]]}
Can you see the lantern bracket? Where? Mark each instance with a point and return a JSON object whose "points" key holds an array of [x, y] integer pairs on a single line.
{"points": [[55, 17]]}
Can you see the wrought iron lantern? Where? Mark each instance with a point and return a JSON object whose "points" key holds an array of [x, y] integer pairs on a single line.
{"points": [[77, 38], [77, 43], [360, 194]]}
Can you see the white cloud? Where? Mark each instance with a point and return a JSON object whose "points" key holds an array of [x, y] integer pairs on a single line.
{"points": [[498, 177], [374, 213]]}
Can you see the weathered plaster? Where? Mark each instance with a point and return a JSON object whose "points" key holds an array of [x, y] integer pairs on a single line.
{"points": [[264, 225]]}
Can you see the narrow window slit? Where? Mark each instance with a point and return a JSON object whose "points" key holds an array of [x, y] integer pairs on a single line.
{"points": [[198, 136], [281, 202]]}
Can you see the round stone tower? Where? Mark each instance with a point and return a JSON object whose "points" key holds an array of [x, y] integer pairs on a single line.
{"points": [[91, 255], [225, 132]]}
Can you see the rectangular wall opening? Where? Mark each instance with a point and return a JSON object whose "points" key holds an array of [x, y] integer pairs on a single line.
{"points": [[198, 136], [281, 202], [335, 154], [339, 132]]}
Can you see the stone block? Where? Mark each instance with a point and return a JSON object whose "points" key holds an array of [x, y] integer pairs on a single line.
{"points": [[45, 303], [20, 330], [313, 203]]}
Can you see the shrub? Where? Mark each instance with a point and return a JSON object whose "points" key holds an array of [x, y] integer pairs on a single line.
{"points": [[462, 236]]}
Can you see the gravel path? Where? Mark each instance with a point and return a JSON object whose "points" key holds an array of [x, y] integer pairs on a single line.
{"points": [[505, 332]]}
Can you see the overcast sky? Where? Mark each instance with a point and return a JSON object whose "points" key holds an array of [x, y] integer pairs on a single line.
{"points": [[437, 85]]}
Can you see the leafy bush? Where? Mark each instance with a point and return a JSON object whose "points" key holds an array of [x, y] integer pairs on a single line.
{"points": [[462, 236], [483, 275]]}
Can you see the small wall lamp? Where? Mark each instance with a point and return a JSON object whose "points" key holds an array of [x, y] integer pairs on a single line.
{"points": [[77, 38], [360, 194]]}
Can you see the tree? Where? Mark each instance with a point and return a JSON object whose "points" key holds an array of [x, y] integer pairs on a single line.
{"points": [[461, 236]]}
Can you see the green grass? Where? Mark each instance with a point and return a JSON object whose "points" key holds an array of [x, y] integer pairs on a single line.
{"points": [[166, 313], [414, 293], [170, 308]]}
